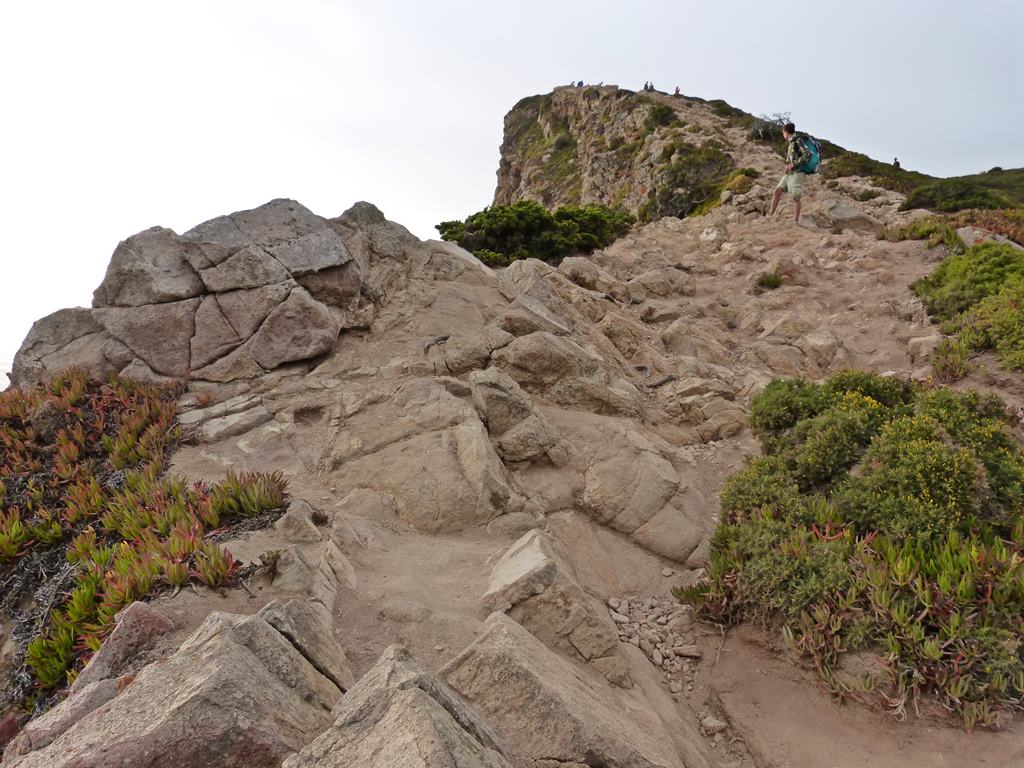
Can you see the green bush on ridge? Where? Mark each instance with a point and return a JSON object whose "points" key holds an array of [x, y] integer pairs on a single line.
{"points": [[502, 234], [888, 516]]}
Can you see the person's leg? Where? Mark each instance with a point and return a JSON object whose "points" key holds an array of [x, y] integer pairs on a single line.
{"points": [[775, 200], [796, 189]]}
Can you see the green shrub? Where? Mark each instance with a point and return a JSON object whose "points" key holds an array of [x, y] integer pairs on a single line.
{"points": [[767, 281], [867, 194], [935, 230], [563, 141], [843, 163], [782, 404], [890, 391], [504, 233], [961, 281], [721, 108], [949, 195], [979, 297], [994, 323], [949, 360], [833, 441], [660, 115], [765, 485], [885, 516], [694, 178], [912, 483]]}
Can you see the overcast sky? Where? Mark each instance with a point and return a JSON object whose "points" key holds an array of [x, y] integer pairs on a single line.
{"points": [[117, 116]]}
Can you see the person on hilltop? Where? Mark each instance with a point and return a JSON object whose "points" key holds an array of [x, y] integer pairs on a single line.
{"points": [[797, 156], [895, 162], [677, 90]]}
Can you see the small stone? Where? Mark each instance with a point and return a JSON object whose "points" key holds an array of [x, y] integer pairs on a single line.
{"points": [[675, 686], [438, 648], [646, 646], [614, 603], [712, 725], [666, 572], [689, 651], [618, 618], [657, 658]]}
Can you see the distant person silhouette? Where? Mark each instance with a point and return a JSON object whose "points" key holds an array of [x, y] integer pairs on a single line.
{"points": [[895, 162], [677, 90]]}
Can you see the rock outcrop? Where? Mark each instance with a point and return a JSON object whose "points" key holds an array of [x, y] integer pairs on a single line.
{"points": [[230, 299], [534, 583], [235, 693], [543, 709], [398, 715]]}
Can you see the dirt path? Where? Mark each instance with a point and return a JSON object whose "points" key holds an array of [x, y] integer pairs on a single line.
{"points": [[789, 721]]}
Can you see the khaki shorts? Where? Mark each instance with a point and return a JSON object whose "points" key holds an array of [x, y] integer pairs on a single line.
{"points": [[793, 183]]}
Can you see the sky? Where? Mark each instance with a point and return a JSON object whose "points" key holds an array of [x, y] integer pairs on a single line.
{"points": [[118, 116]]}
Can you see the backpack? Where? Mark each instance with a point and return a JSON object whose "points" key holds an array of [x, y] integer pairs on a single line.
{"points": [[811, 145]]}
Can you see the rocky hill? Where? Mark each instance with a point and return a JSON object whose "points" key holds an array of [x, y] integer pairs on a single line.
{"points": [[498, 477], [659, 155]]}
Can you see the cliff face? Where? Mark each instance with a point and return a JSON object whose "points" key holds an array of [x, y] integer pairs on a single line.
{"points": [[651, 153]]}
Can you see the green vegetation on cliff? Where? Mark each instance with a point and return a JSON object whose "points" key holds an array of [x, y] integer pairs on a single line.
{"points": [[883, 517], [89, 523], [503, 233], [693, 177]]}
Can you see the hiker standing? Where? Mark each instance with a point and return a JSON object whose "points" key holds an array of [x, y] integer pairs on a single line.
{"points": [[677, 90], [797, 156], [895, 162]]}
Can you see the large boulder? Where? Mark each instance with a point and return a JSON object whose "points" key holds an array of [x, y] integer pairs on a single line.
{"points": [[249, 267], [500, 402], [297, 329], [397, 715], [299, 240], [135, 627], [847, 216], [542, 708], [444, 480], [148, 268], [159, 334], [567, 373], [68, 337], [534, 583], [231, 299], [236, 693]]}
